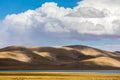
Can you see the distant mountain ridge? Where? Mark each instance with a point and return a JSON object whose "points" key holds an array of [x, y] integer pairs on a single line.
{"points": [[60, 57]]}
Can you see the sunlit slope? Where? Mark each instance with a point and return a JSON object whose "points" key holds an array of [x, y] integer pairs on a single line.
{"points": [[60, 57]]}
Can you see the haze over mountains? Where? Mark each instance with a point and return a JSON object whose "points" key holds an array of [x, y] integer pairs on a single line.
{"points": [[59, 57]]}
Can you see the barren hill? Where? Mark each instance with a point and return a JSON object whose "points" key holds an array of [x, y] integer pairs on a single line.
{"points": [[61, 57]]}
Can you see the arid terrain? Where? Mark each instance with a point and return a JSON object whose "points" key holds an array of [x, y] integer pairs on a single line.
{"points": [[57, 76], [76, 57]]}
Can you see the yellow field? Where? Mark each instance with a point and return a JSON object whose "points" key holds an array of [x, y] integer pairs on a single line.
{"points": [[57, 76]]}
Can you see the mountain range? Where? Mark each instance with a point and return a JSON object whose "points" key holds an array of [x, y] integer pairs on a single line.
{"points": [[74, 57]]}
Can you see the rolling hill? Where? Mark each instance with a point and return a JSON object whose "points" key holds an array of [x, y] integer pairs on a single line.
{"points": [[75, 57]]}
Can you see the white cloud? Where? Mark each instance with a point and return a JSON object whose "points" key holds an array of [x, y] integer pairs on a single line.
{"points": [[87, 12], [110, 47], [90, 20]]}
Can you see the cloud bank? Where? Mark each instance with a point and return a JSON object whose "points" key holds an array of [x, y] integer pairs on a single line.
{"points": [[109, 47], [90, 20]]}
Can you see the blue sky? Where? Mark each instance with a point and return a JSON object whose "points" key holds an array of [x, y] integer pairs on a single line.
{"points": [[18, 6], [51, 25]]}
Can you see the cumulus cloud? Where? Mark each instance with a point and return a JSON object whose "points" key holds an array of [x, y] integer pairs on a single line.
{"points": [[88, 12], [90, 20]]}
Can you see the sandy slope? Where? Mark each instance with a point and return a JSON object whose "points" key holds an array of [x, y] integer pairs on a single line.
{"points": [[61, 57]]}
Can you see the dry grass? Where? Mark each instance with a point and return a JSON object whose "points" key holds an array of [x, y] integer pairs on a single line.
{"points": [[57, 76]]}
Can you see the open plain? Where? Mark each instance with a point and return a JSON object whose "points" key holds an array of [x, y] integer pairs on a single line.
{"points": [[57, 76]]}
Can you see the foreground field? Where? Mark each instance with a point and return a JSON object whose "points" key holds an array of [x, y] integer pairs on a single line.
{"points": [[56, 76]]}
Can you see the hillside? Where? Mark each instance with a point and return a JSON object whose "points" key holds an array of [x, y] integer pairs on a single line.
{"points": [[61, 57]]}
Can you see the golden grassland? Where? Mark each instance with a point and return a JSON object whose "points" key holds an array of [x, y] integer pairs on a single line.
{"points": [[57, 76]]}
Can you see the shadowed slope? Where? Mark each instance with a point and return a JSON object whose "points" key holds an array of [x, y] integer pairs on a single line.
{"points": [[64, 57]]}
